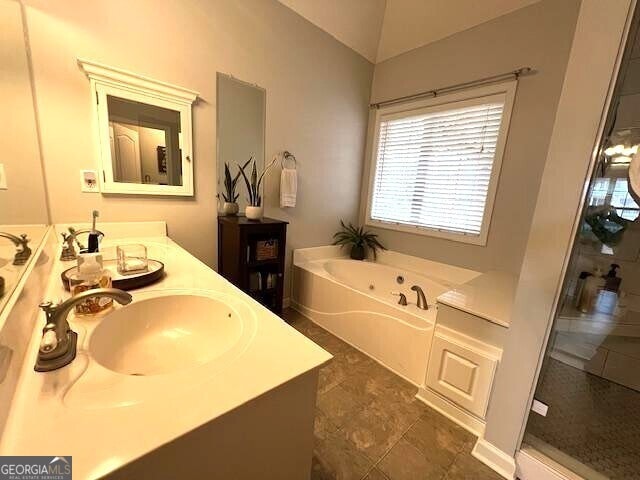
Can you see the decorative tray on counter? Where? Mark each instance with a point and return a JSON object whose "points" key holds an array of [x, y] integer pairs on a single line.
{"points": [[154, 273]]}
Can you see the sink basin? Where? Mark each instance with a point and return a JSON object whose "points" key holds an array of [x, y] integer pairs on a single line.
{"points": [[166, 334]]}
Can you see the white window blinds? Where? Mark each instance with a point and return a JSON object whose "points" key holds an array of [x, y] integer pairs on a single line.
{"points": [[434, 165]]}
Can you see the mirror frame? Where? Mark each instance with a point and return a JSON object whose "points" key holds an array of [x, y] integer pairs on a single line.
{"points": [[120, 83]]}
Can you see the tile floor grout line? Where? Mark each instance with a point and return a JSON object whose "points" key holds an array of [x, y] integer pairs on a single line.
{"points": [[382, 457]]}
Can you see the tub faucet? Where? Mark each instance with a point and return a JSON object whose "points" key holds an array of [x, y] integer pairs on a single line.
{"points": [[422, 300], [58, 344], [24, 252], [402, 300]]}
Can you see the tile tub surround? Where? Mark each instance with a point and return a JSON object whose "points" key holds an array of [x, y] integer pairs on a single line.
{"points": [[174, 416], [370, 426]]}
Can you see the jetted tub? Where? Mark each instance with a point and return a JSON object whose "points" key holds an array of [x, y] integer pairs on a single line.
{"points": [[354, 301]]}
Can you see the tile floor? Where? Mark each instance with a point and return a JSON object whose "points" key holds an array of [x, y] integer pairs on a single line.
{"points": [[593, 420], [370, 426]]}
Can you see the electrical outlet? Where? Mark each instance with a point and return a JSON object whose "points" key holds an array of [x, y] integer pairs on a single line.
{"points": [[89, 181], [3, 178], [539, 407]]}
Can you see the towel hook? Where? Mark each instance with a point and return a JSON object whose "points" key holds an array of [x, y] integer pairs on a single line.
{"points": [[288, 156]]}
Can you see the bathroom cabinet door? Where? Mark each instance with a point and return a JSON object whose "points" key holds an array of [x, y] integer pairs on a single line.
{"points": [[462, 370]]}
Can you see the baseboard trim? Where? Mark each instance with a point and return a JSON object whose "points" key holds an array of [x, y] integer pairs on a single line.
{"points": [[494, 458], [451, 411], [286, 302], [531, 468], [537, 460], [298, 307]]}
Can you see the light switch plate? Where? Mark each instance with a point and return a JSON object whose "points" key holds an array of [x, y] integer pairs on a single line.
{"points": [[89, 181], [3, 178]]}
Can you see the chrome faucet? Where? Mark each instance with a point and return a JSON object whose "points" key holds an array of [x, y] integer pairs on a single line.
{"points": [[24, 252], [403, 298], [58, 344], [422, 300]]}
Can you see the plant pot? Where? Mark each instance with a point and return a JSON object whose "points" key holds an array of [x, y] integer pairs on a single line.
{"points": [[253, 213], [358, 252], [230, 208]]}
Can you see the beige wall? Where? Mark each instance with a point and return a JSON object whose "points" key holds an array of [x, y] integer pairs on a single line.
{"points": [[25, 200], [538, 36], [317, 92]]}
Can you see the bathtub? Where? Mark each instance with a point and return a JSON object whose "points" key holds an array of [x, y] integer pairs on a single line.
{"points": [[354, 301]]}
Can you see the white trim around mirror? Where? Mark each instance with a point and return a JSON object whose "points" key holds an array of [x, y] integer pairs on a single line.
{"points": [[108, 81]]}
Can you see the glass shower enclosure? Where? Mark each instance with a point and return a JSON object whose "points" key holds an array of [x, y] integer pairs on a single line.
{"points": [[586, 414]]}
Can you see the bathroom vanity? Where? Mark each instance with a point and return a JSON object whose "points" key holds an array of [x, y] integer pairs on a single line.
{"points": [[193, 379]]}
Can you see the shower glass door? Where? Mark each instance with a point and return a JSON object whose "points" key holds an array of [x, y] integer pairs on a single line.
{"points": [[587, 411]]}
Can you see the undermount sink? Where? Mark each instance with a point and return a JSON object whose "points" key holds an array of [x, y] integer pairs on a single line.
{"points": [[165, 334]]}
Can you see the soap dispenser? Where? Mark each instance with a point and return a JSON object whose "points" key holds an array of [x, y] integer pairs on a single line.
{"points": [[90, 275], [611, 280]]}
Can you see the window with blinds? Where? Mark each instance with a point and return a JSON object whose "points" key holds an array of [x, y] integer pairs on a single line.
{"points": [[436, 167]]}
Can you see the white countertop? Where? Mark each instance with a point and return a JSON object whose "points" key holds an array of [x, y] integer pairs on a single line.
{"points": [[102, 438], [489, 296]]}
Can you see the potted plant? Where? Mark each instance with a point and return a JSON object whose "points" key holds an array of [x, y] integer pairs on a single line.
{"points": [[359, 239], [254, 208], [230, 206]]}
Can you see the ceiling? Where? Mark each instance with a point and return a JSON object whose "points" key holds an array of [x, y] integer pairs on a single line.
{"points": [[379, 29], [356, 23]]}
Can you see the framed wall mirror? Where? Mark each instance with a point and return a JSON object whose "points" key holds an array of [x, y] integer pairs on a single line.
{"points": [[144, 130], [241, 110]]}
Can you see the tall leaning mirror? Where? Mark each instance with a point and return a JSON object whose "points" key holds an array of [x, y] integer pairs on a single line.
{"points": [[23, 203], [241, 109]]}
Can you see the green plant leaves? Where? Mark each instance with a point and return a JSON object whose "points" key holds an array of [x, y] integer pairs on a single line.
{"points": [[358, 236], [230, 194], [253, 185]]}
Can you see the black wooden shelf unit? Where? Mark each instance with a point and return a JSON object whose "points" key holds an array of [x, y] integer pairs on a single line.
{"points": [[251, 256]]}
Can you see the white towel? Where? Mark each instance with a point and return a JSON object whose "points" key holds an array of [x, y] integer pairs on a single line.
{"points": [[288, 187]]}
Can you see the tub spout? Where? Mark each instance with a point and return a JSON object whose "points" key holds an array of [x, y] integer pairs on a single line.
{"points": [[422, 300]]}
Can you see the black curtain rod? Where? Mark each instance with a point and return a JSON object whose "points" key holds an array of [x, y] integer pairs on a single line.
{"points": [[460, 86]]}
